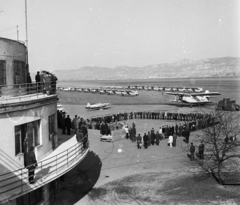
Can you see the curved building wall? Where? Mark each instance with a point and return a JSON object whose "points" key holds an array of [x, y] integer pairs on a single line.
{"points": [[12, 51], [12, 146]]}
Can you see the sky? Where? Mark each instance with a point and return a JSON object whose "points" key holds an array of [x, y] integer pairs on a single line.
{"points": [[108, 33]]}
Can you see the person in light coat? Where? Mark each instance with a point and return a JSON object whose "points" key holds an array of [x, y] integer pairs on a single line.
{"points": [[127, 132], [170, 140]]}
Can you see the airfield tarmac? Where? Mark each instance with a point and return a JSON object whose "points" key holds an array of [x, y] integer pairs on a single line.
{"points": [[119, 173]]}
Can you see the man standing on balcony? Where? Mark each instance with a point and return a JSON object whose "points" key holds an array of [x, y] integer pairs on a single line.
{"points": [[68, 123], [31, 165], [63, 124], [38, 81], [29, 82], [79, 135]]}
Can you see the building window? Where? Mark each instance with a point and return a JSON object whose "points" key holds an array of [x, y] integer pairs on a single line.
{"points": [[2, 72], [33, 198], [51, 125], [20, 73], [26, 136], [18, 140]]}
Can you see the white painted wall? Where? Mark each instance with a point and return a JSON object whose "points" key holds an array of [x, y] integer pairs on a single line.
{"points": [[7, 134]]}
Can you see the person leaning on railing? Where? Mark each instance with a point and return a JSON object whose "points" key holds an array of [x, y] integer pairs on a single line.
{"points": [[79, 135], [82, 138]]}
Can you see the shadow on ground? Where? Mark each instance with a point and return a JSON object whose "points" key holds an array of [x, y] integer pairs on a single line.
{"points": [[80, 180]]}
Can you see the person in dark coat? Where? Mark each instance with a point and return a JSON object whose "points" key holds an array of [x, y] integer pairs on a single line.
{"points": [[139, 141], [187, 133], [31, 164], [157, 136], [79, 135], [174, 139], [145, 141], [134, 132], [29, 82], [164, 132], [107, 129], [63, 124], [192, 151], [25, 150], [201, 151], [53, 83], [102, 128], [68, 124], [152, 136], [84, 130], [38, 81], [149, 138], [167, 133]]}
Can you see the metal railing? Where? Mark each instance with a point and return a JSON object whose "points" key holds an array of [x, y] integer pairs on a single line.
{"points": [[17, 182], [27, 89]]}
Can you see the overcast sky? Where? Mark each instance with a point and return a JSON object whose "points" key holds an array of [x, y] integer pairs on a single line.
{"points": [[69, 34]]}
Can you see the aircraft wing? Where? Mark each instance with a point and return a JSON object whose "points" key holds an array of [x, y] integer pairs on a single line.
{"points": [[205, 94], [179, 94]]}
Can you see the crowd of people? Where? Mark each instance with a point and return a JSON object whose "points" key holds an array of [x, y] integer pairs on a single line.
{"points": [[192, 121], [46, 82], [183, 125]]}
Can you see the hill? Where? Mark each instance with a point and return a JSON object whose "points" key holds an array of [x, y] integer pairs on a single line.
{"points": [[211, 67]]}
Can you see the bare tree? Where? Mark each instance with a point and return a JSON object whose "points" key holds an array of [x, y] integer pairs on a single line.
{"points": [[221, 144]]}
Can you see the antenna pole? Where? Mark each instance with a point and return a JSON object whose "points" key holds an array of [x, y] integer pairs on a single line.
{"points": [[27, 65], [26, 23], [17, 34]]}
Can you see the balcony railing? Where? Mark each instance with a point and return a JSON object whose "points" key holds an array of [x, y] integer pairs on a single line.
{"points": [[15, 183], [26, 90]]}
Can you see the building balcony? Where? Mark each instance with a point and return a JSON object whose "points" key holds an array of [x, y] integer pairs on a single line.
{"points": [[27, 93], [65, 157]]}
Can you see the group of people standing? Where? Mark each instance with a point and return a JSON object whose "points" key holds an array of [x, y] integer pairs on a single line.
{"points": [[46, 82], [189, 122], [67, 124]]}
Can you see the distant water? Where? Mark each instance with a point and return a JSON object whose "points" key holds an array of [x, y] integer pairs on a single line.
{"points": [[228, 87]]}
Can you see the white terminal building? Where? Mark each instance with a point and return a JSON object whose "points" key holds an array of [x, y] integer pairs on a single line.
{"points": [[28, 118]]}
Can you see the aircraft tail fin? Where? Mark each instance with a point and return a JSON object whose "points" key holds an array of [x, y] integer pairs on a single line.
{"points": [[207, 91], [88, 104]]}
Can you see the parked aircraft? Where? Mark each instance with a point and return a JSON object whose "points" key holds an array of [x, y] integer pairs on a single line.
{"points": [[134, 93], [155, 88], [79, 89], [97, 106], [193, 98], [124, 92], [110, 92], [101, 91], [118, 92]]}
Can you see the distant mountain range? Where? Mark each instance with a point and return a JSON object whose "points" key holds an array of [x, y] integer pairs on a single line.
{"points": [[210, 67]]}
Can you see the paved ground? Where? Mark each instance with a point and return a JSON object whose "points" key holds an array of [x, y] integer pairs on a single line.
{"points": [[122, 158], [119, 173]]}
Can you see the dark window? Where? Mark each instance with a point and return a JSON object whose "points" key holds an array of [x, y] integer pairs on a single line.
{"points": [[26, 135], [18, 140], [51, 125], [33, 198], [20, 73], [2, 73]]}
